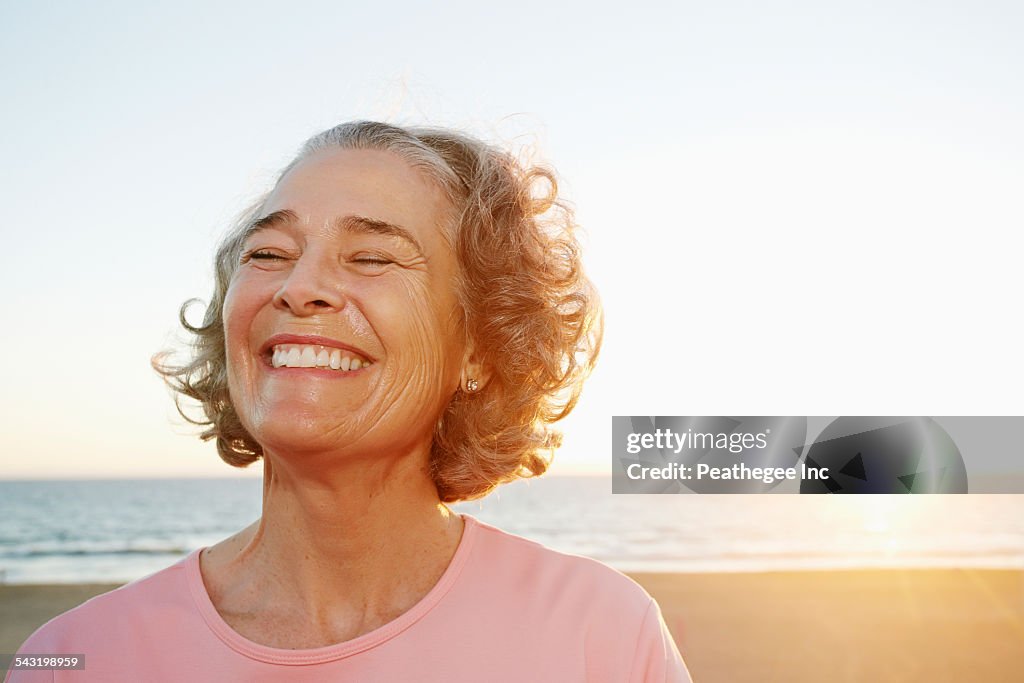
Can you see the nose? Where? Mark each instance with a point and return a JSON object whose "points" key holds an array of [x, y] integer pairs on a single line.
{"points": [[314, 285]]}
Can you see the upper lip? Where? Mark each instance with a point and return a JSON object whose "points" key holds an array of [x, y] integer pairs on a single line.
{"points": [[269, 344]]}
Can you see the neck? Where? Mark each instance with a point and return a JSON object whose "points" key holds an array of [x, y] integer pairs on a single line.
{"points": [[361, 545]]}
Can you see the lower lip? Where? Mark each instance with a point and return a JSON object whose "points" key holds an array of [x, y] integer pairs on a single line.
{"points": [[314, 372]]}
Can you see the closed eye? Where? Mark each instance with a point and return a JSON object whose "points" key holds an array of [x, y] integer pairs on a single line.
{"points": [[372, 260], [260, 255]]}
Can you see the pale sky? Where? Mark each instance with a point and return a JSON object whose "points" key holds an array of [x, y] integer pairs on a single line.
{"points": [[791, 208]]}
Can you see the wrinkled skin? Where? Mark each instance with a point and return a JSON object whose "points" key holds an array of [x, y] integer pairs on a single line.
{"points": [[375, 292]]}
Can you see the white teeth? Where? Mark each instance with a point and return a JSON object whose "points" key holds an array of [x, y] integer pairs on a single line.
{"points": [[313, 356]]}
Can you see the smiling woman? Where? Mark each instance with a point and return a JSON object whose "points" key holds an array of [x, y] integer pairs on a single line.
{"points": [[355, 261], [394, 326]]}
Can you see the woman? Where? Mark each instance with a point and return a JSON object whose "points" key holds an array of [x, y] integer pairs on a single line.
{"points": [[394, 327]]}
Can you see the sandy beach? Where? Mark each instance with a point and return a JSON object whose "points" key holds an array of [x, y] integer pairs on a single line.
{"points": [[868, 625]]}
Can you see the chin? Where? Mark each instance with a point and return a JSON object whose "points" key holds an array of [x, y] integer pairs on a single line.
{"points": [[298, 431]]}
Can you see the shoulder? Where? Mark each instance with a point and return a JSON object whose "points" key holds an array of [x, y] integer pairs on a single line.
{"points": [[124, 609], [570, 603], [541, 575]]}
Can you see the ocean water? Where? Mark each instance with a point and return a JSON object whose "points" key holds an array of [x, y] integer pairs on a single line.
{"points": [[120, 530]]}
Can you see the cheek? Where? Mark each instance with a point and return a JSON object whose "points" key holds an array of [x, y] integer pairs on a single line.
{"points": [[242, 302], [417, 327], [233, 320], [430, 322], [241, 306]]}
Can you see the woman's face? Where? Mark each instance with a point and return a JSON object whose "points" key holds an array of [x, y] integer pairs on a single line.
{"points": [[348, 271]]}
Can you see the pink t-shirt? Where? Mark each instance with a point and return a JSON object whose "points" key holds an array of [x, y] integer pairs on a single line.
{"points": [[505, 609]]}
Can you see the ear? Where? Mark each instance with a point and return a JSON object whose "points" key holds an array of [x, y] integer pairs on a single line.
{"points": [[474, 368]]}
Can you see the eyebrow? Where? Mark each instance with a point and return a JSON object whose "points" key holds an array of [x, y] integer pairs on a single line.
{"points": [[345, 224]]}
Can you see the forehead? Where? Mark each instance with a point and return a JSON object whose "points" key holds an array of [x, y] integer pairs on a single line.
{"points": [[380, 185]]}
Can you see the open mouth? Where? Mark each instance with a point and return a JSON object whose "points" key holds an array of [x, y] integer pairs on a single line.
{"points": [[315, 356]]}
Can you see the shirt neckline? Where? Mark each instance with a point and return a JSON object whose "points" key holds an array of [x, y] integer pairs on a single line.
{"points": [[318, 655]]}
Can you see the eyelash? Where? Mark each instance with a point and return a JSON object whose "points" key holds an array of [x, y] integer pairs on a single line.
{"points": [[262, 254], [374, 260]]}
